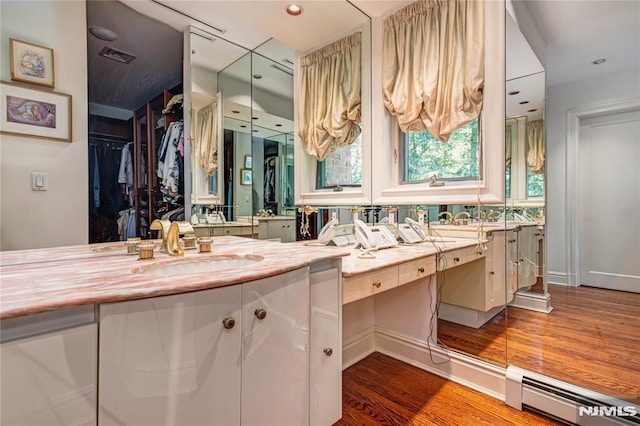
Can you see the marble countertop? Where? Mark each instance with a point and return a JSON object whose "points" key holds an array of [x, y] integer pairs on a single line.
{"points": [[353, 265], [42, 280], [221, 225], [261, 218], [487, 227]]}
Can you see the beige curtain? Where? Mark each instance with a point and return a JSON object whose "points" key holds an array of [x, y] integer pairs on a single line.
{"points": [[433, 65], [535, 148], [207, 138], [329, 106]]}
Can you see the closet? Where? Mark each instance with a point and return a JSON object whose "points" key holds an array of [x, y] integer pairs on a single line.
{"points": [[136, 169], [158, 156]]}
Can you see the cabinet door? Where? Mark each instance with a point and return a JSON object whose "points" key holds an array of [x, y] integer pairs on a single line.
{"points": [[171, 360], [50, 379], [325, 358], [275, 341]]}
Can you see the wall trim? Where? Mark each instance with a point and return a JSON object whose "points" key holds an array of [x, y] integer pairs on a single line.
{"points": [[557, 278], [465, 370], [532, 301], [572, 217], [358, 347]]}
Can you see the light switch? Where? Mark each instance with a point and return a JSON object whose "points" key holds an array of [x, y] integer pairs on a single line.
{"points": [[38, 181]]}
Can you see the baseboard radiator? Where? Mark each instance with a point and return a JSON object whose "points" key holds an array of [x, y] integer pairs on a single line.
{"points": [[566, 402]]}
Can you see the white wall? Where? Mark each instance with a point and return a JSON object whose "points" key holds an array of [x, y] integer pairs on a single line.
{"points": [[58, 216], [560, 99]]}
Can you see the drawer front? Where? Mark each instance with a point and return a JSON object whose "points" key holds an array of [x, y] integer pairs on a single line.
{"points": [[368, 284], [416, 269], [229, 230], [460, 257]]}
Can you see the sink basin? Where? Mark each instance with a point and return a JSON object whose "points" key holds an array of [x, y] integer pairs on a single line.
{"points": [[199, 266]]}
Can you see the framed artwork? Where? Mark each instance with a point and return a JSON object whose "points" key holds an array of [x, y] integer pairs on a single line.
{"points": [[31, 63], [35, 113], [247, 162], [246, 177]]}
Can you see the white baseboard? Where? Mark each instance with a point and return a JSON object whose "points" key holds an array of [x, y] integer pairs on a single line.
{"points": [[465, 370], [358, 347], [557, 278], [532, 301]]}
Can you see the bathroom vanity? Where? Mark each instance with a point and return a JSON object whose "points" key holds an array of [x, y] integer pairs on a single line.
{"points": [[247, 334]]}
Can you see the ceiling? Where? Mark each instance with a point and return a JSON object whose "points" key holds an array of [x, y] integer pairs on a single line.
{"points": [[567, 35]]}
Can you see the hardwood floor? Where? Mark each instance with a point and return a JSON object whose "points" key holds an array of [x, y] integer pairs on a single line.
{"points": [[380, 390], [590, 339]]}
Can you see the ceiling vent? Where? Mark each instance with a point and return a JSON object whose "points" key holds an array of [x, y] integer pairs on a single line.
{"points": [[116, 55]]}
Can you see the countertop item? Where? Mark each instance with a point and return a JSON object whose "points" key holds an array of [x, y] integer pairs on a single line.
{"points": [[42, 280]]}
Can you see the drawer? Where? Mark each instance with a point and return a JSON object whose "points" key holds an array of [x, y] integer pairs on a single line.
{"points": [[369, 283], [416, 269], [458, 257], [231, 230]]}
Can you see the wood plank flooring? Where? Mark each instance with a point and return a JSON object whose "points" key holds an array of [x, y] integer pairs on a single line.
{"points": [[380, 390], [590, 339]]}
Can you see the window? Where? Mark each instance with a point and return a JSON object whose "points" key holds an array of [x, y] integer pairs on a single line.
{"points": [[535, 184], [456, 159], [343, 167]]}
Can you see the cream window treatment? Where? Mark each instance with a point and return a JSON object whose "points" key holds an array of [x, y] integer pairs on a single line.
{"points": [[206, 138], [329, 97], [433, 65], [535, 148]]}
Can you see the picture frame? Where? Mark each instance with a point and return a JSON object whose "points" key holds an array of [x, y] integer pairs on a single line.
{"points": [[31, 63], [246, 177], [248, 161], [35, 113]]}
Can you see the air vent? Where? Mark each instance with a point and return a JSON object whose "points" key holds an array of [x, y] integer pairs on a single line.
{"points": [[218, 29], [288, 61], [117, 55], [283, 69]]}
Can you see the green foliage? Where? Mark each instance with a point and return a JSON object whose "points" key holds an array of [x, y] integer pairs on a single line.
{"points": [[457, 158]]}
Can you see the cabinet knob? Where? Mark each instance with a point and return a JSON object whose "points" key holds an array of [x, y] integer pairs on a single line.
{"points": [[260, 314], [377, 284], [328, 351], [492, 273], [228, 323], [456, 259], [421, 269]]}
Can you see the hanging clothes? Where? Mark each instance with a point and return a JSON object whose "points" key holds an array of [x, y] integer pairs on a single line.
{"points": [[170, 169]]}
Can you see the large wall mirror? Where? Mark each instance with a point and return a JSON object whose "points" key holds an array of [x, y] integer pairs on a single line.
{"points": [[591, 120]]}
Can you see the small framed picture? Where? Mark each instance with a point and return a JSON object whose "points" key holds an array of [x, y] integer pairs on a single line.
{"points": [[34, 113], [247, 162], [246, 177], [31, 63]]}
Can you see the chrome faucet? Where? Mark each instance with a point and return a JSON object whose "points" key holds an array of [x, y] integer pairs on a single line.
{"points": [[173, 237]]}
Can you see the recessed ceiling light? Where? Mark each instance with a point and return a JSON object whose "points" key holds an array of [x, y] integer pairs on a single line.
{"points": [[532, 110], [524, 102], [515, 92], [294, 10], [257, 76], [103, 33], [235, 111], [599, 61]]}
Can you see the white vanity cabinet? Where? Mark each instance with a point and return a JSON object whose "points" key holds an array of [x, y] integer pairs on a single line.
{"points": [[226, 356], [283, 229], [48, 365], [172, 359]]}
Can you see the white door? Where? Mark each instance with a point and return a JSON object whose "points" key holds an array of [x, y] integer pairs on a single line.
{"points": [[609, 206], [172, 360]]}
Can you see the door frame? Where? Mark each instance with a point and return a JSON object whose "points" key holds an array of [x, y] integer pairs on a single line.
{"points": [[572, 218]]}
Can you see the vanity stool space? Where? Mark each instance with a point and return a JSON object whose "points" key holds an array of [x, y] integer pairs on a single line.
{"points": [[137, 343]]}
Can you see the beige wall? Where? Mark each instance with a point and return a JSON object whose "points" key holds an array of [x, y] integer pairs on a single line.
{"points": [[59, 216]]}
